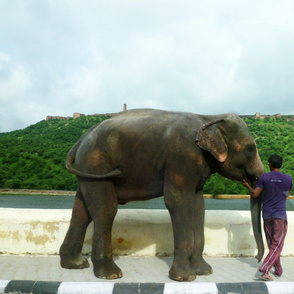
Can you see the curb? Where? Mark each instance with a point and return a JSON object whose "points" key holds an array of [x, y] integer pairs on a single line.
{"points": [[43, 287]]}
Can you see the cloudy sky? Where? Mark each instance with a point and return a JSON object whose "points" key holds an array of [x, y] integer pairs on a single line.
{"points": [[63, 56]]}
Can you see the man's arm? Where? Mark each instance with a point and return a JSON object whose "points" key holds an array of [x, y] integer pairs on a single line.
{"points": [[254, 192]]}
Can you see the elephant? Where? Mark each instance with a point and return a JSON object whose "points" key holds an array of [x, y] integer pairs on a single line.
{"points": [[141, 154]]}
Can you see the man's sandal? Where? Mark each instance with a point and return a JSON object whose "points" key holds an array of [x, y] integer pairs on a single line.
{"points": [[266, 277]]}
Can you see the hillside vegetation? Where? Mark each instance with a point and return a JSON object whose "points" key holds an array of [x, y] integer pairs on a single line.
{"points": [[34, 158]]}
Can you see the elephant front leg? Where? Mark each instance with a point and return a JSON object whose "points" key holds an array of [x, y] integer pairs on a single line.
{"points": [[198, 264], [181, 216]]}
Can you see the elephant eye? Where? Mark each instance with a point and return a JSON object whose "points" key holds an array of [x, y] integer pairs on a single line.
{"points": [[250, 151]]}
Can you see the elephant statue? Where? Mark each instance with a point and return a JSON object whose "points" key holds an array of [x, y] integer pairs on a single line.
{"points": [[141, 154]]}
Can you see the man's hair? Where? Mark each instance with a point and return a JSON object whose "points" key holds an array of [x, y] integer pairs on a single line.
{"points": [[276, 161]]}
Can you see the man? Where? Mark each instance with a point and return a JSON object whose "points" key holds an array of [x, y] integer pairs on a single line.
{"points": [[276, 187]]}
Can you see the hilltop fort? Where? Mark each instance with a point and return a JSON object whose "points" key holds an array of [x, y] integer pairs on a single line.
{"points": [[77, 115], [263, 116]]}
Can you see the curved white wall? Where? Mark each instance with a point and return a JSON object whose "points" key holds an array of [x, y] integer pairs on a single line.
{"points": [[135, 232]]}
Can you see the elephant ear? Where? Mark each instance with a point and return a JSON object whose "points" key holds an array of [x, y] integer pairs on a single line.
{"points": [[211, 139]]}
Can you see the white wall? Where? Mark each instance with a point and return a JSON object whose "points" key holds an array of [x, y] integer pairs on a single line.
{"points": [[135, 232]]}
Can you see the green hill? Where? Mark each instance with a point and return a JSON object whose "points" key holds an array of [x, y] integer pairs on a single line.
{"points": [[33, 158]]}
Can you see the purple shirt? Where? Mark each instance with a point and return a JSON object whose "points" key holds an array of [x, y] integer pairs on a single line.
{"points": [[276, 187]]}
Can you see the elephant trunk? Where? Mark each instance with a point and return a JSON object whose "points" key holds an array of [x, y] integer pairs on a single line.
{"points": [[255, 207]]}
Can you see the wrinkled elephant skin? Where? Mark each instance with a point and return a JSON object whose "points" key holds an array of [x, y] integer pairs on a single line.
{"points": [[146, 153]]}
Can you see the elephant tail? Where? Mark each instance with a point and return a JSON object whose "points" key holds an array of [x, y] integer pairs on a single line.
{"points": [[71, 159]]}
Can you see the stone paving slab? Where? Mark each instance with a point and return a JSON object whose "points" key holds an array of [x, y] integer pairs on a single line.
{"points": [[236, 273]]}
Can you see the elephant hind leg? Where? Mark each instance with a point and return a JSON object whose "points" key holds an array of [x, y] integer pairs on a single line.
{"points": [[71, 249], [102, 203]]}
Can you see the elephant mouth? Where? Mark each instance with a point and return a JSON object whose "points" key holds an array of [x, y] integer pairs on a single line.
{"points": [[251, 179]]}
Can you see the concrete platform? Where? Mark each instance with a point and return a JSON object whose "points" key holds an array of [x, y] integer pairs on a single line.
{"points": [[43, 274]]}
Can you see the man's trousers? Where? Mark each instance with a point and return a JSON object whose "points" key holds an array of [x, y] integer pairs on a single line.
{"points": [[275, 231]]}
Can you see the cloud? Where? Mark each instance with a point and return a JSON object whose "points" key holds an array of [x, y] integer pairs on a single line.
{"points": [[60, 57]]}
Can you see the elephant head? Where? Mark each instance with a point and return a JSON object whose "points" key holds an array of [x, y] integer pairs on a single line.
{"points": [[229, 141]]}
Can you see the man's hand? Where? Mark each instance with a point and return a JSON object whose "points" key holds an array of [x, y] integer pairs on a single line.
{"points": [[254, 192], [245, 184]]}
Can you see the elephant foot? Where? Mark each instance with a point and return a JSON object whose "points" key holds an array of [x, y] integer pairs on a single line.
{"points": [[201, 267], [182, 273], [74, 263], [107, 269]]}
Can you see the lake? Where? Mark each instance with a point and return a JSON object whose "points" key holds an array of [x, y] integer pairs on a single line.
{"points": [[66, 202]]}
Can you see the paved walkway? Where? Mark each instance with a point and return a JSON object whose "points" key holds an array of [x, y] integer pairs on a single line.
{"points": [[143, 270]]}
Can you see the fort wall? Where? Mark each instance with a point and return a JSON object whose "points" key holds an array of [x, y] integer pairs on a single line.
{"points": [[77, 115]]}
